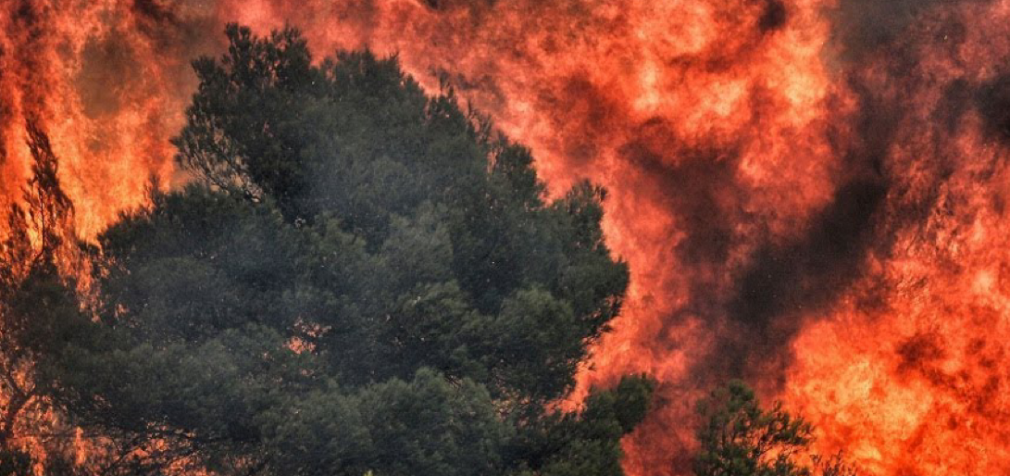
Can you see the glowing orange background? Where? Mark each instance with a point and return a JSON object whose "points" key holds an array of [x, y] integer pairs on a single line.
{"points": [[725, 131]]}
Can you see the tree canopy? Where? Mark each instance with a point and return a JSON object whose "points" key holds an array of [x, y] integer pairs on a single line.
{"points": [[362, 278]]}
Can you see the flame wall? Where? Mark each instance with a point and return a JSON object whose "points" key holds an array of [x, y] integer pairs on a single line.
{"points": [[811, 193], [108, 81]]}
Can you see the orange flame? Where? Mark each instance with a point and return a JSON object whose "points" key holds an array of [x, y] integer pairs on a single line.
{"points": [[808, 194], [108, 81]]}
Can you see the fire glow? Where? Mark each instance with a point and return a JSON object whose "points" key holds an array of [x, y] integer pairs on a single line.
{"points": [[811, 194]]}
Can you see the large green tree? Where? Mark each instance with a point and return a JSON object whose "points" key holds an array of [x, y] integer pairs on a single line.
{"points": [[361, 278]]}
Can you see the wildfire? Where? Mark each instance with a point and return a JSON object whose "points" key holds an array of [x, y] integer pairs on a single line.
{"points": [[811, 194], [108, 82]]}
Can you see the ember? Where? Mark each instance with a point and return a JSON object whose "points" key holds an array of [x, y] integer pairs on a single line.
{"points": [[810, 194]]}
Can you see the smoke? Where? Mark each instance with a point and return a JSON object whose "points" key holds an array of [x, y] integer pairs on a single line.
{"points": [[774, 16], [109, 67], [861, 27], [993, 101], [786, 178]]}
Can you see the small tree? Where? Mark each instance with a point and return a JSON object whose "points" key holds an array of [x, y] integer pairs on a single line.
{"points": [[39, 306], [739, 438]]}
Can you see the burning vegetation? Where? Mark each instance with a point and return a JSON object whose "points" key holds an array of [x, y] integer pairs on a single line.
{"points": [[338, 264]]}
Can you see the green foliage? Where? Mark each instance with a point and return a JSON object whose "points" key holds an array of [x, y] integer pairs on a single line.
{"points": [[587, 443], [364, 279], [739, 438], [40, 310]]}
